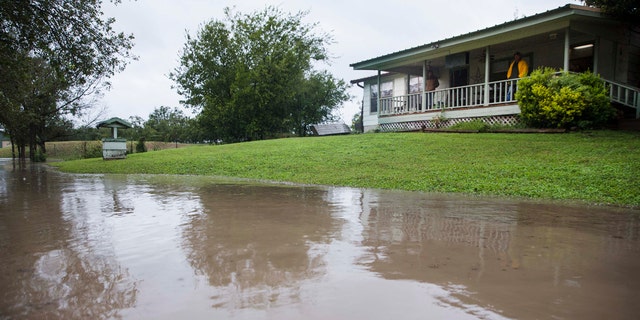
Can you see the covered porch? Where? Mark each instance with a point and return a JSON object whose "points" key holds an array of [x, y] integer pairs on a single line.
{"points": [[492, 93], [469, 96]]}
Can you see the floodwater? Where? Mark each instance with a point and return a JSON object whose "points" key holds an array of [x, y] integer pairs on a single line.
{"points": [[174, 247]]}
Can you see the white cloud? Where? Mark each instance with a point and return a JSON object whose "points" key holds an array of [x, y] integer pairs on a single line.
{"points": [[362, 30]]}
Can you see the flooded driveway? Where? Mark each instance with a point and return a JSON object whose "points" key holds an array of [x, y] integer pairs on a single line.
{"points": [[167, 247]]}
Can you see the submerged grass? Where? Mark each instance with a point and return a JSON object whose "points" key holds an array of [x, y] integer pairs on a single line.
{"points": [[599, 167]]}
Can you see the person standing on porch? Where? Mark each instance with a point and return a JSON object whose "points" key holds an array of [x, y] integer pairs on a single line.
{"points": [[431, 83], [518, 69]]}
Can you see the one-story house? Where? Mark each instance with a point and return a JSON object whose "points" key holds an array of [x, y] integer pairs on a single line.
{"points": [[471, 69]]}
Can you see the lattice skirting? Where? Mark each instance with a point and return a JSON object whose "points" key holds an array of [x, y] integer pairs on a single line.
{"points": [[435, 123]]}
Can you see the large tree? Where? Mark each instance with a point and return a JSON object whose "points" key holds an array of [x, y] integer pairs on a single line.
{"points": [[168, 125], [626, 10], [251, 76], [54, 54], [317, 94]]}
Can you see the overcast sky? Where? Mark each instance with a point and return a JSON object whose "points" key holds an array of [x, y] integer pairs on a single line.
{"points": [[362, 29]]}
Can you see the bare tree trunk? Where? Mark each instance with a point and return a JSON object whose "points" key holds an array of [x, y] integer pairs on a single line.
{"points": [[13, 148]]}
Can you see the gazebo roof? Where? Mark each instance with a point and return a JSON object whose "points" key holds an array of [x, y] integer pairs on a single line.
{"points": [[114, 122]]}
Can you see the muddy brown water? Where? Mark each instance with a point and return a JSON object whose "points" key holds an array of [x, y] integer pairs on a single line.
{"points": [[167, 247]]}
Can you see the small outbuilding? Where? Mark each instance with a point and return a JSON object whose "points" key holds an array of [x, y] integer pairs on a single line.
{"points": [[114, 148], [330, 129]]}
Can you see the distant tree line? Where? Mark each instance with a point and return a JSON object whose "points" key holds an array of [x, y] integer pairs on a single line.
{"points": [[164, 124]]}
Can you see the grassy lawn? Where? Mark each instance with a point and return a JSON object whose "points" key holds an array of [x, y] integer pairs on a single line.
{"points": [[599, 167]]}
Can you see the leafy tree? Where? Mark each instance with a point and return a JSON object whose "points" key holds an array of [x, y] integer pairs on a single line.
{"points": [[141, 146], [26, 91], [86, 132], [167, 124], [137, 129], [317, 95], [251, 76], [194, 132], [57, 128], [626, 10], [53, 55], [39, 105], [356, 123]]}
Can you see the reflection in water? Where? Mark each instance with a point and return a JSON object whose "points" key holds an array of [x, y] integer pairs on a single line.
{"points": [[166, 247], [510, 256], [50, 269], [254, 244]]}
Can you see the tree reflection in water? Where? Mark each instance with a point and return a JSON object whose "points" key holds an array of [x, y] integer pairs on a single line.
{"points": [[256, 244], [52, 266]]}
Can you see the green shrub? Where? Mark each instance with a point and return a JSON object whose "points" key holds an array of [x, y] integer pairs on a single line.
{"points": [[90, 149], [140, 146], [39, 156], [473, 125], [548, 100], [6, 152]]}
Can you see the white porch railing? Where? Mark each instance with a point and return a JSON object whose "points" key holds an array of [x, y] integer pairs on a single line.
{"points": [[474, 96], [449, 98], [625, 95]]}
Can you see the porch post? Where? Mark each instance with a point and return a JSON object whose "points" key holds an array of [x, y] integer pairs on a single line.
{"points": [[566, 49], [424, 85], [596, 47], [487, 67], [378, 96]]}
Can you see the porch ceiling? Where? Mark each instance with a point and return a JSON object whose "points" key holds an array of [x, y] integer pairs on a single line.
{"points": [[503, 37]]}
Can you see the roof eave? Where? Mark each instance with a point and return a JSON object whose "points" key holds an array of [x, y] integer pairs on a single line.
{"points": [[540, 23]]}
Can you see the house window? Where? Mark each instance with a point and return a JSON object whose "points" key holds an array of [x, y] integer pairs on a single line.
{"points": [[459, 77], [415, 84], [581, 57], [374, 99], [386, 89]]}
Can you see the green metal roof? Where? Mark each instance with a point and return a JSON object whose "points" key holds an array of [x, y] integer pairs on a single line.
{"points": [[114, 122], [540, 23]]}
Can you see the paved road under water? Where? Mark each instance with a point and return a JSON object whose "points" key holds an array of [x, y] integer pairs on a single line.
{"points": [[167, 247]]}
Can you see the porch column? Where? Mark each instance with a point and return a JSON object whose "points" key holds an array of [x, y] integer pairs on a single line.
{"points": [[424, 85], [566, 49], [487, 68], [596, 47], [378, 96]]}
